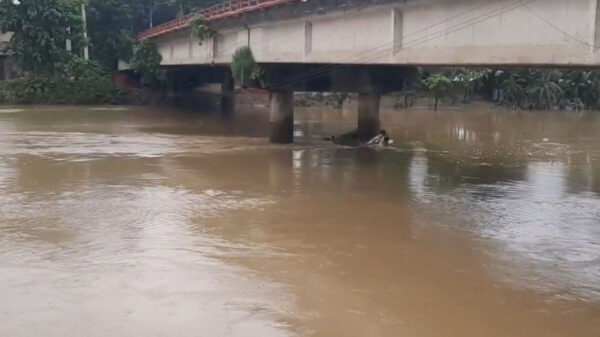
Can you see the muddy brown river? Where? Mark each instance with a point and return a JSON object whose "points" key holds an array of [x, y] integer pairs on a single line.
{"points": [[153, 222]]}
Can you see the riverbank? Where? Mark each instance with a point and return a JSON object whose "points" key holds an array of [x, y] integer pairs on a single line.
{"points": [[75, 91]]}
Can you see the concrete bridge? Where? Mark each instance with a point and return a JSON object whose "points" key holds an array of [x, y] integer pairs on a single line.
{"points": [[371, 46]]}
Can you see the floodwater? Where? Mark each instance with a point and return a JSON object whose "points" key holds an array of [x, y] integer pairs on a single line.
{"points": [[150, 222]]}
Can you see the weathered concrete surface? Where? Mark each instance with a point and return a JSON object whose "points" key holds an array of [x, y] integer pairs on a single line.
{"points": [[404, 32], [368, 115], [282, 117], [227, 94]]}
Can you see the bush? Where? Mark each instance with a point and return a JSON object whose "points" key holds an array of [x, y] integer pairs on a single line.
{"points": [[437, 85], [245, 70], [84, 82], [145, 62], [201, 29], [574, 89]]}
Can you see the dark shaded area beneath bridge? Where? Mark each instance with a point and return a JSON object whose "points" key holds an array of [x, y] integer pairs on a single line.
{"points": [[302, 77], [282, 80], [338, 77]]}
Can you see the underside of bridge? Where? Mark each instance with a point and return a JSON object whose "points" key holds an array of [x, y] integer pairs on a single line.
{"points": [[282, 80]]}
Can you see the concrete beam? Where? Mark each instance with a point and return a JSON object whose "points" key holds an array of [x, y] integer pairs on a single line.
{"points": [[595, 34], [308, 28], [397, 30]]}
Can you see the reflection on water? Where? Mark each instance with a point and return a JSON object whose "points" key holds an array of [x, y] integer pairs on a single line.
{"points": [[149, 222], [551, 233]]}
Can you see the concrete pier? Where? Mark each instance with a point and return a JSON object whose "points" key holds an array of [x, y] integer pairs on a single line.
{"points": [[227, 94], [368, 115], [282, 117]]}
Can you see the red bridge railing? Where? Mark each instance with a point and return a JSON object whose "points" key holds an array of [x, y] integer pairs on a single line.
{"points": [[216, 12]]}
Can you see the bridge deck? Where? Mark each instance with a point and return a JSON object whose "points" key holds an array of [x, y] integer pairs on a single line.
{"points": [[220, 11], [391, 32]]}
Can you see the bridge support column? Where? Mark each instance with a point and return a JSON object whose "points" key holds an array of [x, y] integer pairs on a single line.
{"points": [[227, 93], [282, 117], [368, 115]]}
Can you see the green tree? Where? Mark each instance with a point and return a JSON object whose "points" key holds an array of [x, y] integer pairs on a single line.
{"points": [[581, 88], [543, 89], [466, 81], [165, 10], [201, 29], [41, 29], [245, 70], [437, 84], [145, 62], [514, 91], [112, 25]]}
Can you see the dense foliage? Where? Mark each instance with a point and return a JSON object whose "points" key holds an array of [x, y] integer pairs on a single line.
{"points": [[178, 8], [112, 25], [245, 70], [56, 75], [87, 83], [574, 89], [145, 62], [551, 88], [41, 29], [437, 85], [201, 29]]}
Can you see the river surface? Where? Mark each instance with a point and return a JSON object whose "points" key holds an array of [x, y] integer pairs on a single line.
{"points": [[151, 222]]}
